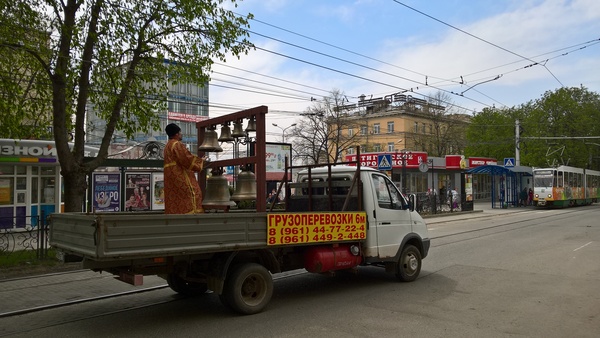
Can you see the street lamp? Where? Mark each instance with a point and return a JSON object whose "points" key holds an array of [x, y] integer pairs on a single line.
{"points": [[283, 130]]}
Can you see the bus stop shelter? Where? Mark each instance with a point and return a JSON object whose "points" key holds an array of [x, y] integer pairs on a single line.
{"points": [[506, 183]]}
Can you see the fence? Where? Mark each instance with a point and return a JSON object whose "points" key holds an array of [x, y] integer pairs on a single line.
{"points": [[428, 204], [21, 233]]}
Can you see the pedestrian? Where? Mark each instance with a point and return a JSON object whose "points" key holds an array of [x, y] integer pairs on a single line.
{"points": [[523, 197], [182, 192], [530, 200]]}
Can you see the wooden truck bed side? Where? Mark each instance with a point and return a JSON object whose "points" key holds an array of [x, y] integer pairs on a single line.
{"points": [[120, 236]]}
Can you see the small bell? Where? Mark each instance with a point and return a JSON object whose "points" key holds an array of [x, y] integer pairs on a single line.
{"points": [[238, 129], [251, 124], [225, 134], [210, 142]]}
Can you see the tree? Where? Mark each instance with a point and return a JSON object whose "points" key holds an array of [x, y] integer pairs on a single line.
{"points": [[491, 133], [25, 96], [111, 54], [448, 127], [317, 136], [558, 128]]}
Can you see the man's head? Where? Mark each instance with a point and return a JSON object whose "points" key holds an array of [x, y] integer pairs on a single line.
{"points": [[172, 130]]}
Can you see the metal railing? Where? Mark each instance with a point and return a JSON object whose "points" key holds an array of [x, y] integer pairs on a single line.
{"points": [[24, 233]]}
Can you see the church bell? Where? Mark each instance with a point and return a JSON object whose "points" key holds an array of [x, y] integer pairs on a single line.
{"points": [[210, 142], [251, 124], [225, 134], [238, 129], [245, 186], [217, 190]]}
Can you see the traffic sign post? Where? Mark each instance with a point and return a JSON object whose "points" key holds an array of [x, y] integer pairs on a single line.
{"points": [[384, 162]]}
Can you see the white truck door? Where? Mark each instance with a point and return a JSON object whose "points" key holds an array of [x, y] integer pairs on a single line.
{"points": [[392, 215]]}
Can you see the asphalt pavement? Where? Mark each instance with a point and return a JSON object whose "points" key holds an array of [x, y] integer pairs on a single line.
{"points": [[19, 294]]}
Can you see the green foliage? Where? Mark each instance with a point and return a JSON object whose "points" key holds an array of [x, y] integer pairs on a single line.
{"points": [[25, 96], [568, 114], [108, 56]]}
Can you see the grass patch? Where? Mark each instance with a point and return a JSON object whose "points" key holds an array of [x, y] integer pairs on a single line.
{"points": [[23, 258]]}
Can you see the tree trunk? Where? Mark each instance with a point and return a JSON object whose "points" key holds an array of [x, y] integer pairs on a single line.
{"points": [[75, 187]]}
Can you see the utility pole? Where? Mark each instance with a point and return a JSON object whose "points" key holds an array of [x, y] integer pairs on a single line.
{"points": [[517, 146]]}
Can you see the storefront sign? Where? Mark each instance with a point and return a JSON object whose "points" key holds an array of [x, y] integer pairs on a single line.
{"points": [[409, 159]]}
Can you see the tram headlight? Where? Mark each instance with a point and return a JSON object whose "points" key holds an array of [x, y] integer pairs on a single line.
{"points": [[537, 195], [549, 195]]}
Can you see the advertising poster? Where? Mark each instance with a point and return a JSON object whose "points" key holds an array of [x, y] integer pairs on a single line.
{"points": [[276, 154], [107, 189], [137, 192], [158, 191]]}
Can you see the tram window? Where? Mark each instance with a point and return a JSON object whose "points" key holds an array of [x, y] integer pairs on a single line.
{"points": [[559, 180]]}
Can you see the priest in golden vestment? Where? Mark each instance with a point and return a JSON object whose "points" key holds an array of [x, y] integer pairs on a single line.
{"points": [[182, 192]]}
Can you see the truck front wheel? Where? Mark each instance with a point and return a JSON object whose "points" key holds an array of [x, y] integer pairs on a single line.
{"points": [[248, 289], [409, 264]]}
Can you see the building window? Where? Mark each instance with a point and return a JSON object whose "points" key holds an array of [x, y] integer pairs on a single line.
{"points": [[390, 146], [431, 129], [376, 129], [377, 148], [363, 130], [416, 128], [423, 128], [390, 127], [350, 132], [350, 151]]}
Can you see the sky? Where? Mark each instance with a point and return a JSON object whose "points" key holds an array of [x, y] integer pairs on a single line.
{"points": [[483, 53]]}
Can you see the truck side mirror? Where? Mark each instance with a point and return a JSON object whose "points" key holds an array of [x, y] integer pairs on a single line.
{"points": [[412, 202]]}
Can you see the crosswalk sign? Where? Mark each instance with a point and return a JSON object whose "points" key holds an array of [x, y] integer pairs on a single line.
{"points": [[384, 162], [509, 162]]}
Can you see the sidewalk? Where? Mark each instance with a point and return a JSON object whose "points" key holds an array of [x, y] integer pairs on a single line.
{"points": [[480, 209]]}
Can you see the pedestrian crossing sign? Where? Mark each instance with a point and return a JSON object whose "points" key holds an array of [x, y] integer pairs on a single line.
{"points": [[384, 162], [509, 162]]}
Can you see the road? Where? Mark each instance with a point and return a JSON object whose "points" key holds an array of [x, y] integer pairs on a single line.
{"points": [[526, 274]]}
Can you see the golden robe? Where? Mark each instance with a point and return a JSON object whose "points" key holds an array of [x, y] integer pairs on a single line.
{"points": [[182, 192]]}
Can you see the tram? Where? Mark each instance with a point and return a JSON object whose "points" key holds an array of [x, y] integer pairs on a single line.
{"points": [[565, 186]]}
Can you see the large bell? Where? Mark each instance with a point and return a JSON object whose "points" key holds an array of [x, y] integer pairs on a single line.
{"points": [[217, 191], [251, 125], [245, 186], [238, 129], [225, 134], [210, 142]]}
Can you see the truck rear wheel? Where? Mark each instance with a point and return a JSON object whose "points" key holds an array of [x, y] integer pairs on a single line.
{"points": [[248, 289], [409, 264], [179, 285]]}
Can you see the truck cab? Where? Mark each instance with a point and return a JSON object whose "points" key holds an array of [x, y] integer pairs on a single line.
{"points": [[397, 235]]}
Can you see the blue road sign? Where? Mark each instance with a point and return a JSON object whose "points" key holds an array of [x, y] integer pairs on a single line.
{"points": [[509, 162], [384, 162]]}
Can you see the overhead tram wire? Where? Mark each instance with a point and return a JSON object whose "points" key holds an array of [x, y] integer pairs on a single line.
{"points": [[272, 77], [346, 50], [476, 37], [358, 65], [361, 77]]}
